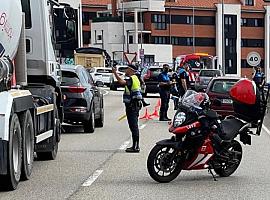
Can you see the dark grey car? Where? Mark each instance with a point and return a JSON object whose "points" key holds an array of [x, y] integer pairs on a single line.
{"points": [[83, 99], [204, 77]]}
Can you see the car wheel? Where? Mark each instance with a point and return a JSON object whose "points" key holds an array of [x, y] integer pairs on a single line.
{"points": [[100, 121], [89, 126]]}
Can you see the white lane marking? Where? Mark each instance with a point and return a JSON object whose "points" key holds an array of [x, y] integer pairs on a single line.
{"points": [[124, 146], [266, 129], [106, 92], [92, 178], [142, 126]]}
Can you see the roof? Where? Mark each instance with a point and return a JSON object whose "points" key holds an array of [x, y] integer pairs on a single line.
{"points": [[211, 4], [226, 78], [95, 2], [67, 67]]}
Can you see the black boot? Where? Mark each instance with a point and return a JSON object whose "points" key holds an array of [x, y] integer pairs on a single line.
{"points": [[145, 104], [135, 147], [161, 116]]}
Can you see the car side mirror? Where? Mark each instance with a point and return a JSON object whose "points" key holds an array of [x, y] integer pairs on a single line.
{"points": [[217, 102], [99, 83]]}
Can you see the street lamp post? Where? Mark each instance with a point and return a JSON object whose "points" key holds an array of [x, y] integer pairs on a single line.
{"points": [[123, 23], [193, 27], [223, 39]]}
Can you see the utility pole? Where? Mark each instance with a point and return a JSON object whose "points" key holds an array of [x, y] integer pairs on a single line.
{"points": [[141, 22], [223, 39], [193, 27], [123, 23]]}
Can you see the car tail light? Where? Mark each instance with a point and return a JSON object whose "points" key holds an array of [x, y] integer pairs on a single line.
{"points": [[74, 89]]}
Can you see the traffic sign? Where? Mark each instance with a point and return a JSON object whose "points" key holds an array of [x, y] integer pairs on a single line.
{"points": [[130, 57], [253, 59]]}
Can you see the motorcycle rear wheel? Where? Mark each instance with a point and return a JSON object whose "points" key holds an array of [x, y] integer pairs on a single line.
{"points": [[235, 157], [162, 167]]}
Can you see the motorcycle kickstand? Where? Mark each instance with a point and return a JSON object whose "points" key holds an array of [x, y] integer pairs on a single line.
{"points": [[214, 177]]}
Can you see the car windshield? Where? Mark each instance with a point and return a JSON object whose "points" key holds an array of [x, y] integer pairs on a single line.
{"points": [[104, 70], [210, 73], [155, 71], [69, 78], [223, 86]]}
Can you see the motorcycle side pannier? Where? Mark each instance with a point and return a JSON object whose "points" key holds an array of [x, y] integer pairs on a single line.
{"points": [[246, 100]]}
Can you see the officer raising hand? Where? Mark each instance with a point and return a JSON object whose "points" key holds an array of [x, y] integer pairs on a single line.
{"points": [[132, 99]]}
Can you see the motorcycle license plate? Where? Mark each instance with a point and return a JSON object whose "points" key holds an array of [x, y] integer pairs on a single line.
{"points": [[227, 101]]}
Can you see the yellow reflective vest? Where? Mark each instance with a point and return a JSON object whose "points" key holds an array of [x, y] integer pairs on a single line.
{"points": [[135, 93]]}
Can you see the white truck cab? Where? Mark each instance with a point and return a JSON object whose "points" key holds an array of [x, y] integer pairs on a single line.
{"points": [[31, 105]]}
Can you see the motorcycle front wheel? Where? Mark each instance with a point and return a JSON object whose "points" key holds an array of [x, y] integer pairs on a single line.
{"points": [[164, 163], [234, 152]]}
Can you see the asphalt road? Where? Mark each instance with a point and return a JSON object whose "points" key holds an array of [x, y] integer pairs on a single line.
{"points": [[92, 166]]}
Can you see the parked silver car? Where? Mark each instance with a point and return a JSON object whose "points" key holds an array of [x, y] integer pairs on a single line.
{"points": [[204, 77]]}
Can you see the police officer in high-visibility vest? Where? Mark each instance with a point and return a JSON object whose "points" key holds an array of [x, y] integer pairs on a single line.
{"points": [[132, 99]]}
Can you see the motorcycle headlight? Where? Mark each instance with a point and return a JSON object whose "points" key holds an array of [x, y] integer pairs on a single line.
{"points": [[179, 119]]}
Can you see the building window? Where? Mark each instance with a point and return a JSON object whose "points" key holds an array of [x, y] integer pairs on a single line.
{"points": [[204, 20], [252, 22], [87, 16], [159, 21], [27, 10], [207, 42], [160, 40], [130, 39], [249, 2], [189, 20], [149, 59], [198, 20], [252, 43], [86, 37]]}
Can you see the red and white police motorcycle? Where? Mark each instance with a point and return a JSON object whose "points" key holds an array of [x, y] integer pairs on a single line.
{"points": [[189, 149]]}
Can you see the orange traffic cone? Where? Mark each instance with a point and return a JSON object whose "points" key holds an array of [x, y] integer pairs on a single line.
{"points": [[155, 113], [146, 115]]}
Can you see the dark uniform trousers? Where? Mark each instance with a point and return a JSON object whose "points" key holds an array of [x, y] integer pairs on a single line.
{"points": [[132, 112], [165, 99]]}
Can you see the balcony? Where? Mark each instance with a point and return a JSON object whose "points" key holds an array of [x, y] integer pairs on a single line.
{"points": [[145, 5]]}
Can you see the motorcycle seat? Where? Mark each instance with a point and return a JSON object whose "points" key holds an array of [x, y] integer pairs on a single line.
{"points": [[212, 114], [231, 128]]}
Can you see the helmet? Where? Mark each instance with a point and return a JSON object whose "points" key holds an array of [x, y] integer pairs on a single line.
{"points": [[198, 100], [203, 98]]}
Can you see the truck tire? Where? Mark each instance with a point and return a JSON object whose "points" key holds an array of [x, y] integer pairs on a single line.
{"points": [[51, 155], [27, 128], [14, 163], [100, 121], [89, 126]]}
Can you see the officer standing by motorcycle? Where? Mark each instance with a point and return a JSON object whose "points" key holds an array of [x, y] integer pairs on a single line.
{"points": [[132, 98], [164, 91]]}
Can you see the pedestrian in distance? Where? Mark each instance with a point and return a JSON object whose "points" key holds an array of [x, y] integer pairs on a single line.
{"points": [[165, 84], [183, 79], [132, 98], [258, 77]]}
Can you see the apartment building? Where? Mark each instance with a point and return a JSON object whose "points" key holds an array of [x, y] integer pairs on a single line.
{"points": [[188, 26], [92, 9]]}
